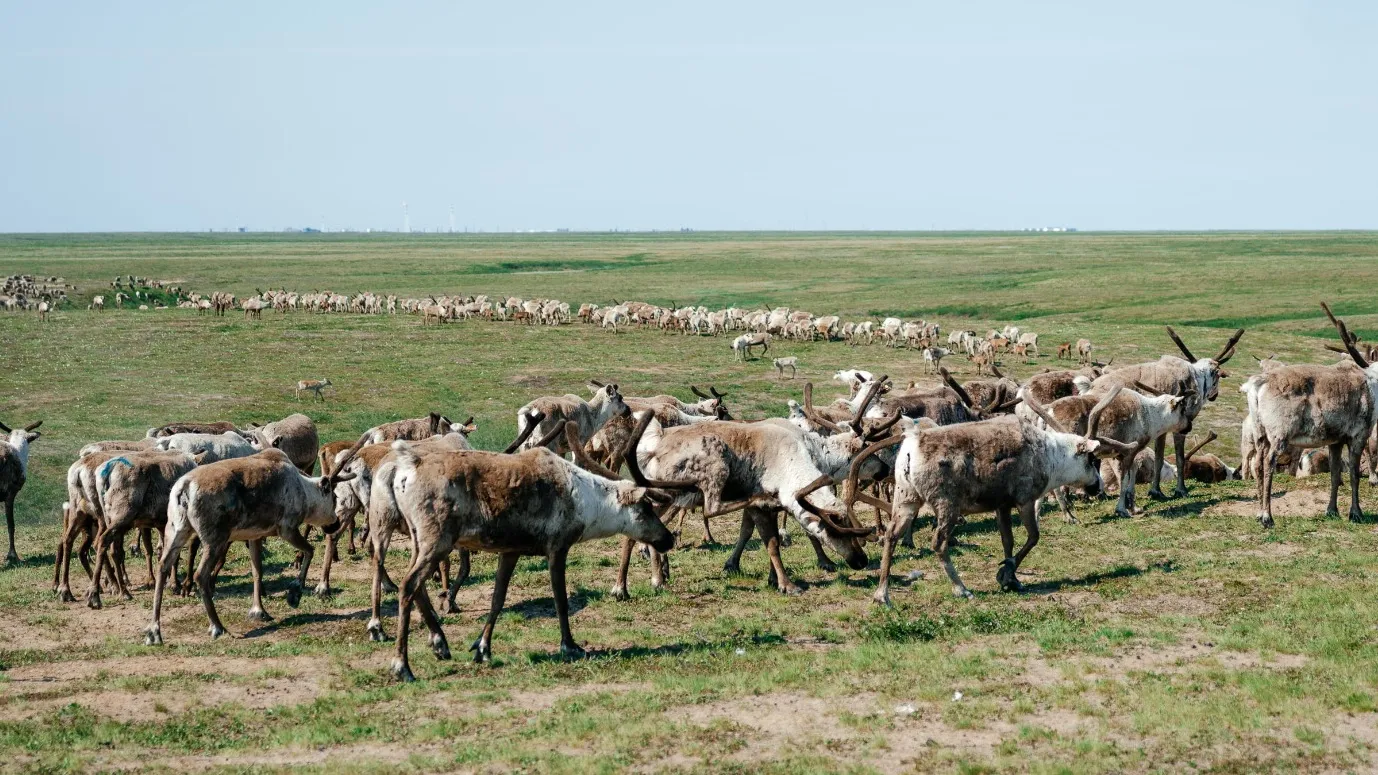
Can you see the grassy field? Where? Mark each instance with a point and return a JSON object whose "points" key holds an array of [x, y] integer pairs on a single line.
{"points": [[1186, 638]]}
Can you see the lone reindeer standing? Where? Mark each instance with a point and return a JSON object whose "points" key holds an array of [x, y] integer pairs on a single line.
{"points": [[312, 385]]}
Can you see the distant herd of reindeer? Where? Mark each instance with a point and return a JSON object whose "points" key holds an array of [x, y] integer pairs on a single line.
{"points": [[944, 450]]}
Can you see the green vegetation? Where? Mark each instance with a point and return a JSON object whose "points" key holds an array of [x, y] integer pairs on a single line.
{"points": [[1184, 638]]}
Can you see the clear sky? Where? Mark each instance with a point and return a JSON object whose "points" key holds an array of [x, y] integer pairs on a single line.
{"points": [[738, 115]]}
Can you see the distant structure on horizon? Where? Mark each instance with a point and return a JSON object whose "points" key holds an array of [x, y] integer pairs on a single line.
{"points": [[1051, 228]]}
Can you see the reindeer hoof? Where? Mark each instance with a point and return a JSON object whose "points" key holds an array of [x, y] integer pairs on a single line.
{"points": [[1007, 579], [64, 595], [1124, 514], [93, 601], [1157, 495], [1265, 520], [962, 592], [790, 590], [258, 615], [1356, 515], [881, 598], [620, 593], [153, 636], [12, 558], [827, 566], [375, 631], [483, 652], [389, 588], [732, 569], [293, 595], [401, 671], [572, 651], [216, 631], [323, 591], [439, 647]]}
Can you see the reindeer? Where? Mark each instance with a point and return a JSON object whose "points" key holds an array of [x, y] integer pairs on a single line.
{"points": [[133, 492], [1084, 350], [243, 499], [1209, 468], [14, 471], [741, 346], [1308, 406], [1131, 418], [790, 363], [766, 463], [933, 358], [1172, 375], [1064, 351], [531, 503], [419, 429], [314, 386], [1001, 464], [555, 411]]}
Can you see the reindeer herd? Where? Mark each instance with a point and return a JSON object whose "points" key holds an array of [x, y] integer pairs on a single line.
{"points": [[584, 469]]}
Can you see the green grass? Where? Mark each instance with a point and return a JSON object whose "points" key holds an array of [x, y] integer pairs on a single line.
{"points": [[1185, 638]]}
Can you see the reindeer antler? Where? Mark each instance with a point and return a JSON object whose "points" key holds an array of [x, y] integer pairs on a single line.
{"points": [[532, 420], [1180, 344], [1093, 419], [1209, 438], [813, 415], [956, 388]]}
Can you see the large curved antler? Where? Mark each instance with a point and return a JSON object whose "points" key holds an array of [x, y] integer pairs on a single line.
{"points": [[694, 389], [532, 420], [1093, 419], [872, 393], [1227, 352], [581, 456], [813, 414], [634, 468], [1039, 410], [343, 462], [33, 426], [956, 388], [1346, 338], [1180, 344], [824, 515], [852, 490]]}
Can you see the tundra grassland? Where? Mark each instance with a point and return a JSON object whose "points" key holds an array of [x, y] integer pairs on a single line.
{"points": [[1185, 638]]}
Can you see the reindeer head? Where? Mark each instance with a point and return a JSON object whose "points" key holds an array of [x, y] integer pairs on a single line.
{"points": [[711, 404], [1087, 451], [1207, 371], [21, 439], [610, 395]]}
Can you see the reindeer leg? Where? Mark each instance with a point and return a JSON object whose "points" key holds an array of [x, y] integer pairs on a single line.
{"points": [[733, 566], [1268, 460], [708, 540], [1125, 506], [414, 581], [378, 542], [901, 521], [942, 543], [1179, 444], [1066, 504], [212, 556], [256, 612], [568, 648], [146, 536], [1332, 509], [1028, 515], [483, 647], [13, 557], [1005, 575], [167, 564], [769, 529], [1156, 490], [331, 555], [451, 606], [619, 587], [1356, 451], [291, 536]]}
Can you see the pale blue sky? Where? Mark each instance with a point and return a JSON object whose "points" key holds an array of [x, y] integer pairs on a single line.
{"points": [[770, 115]]}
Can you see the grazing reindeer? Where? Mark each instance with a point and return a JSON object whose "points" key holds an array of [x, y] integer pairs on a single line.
{"points": [[14, 470], [531, 503], [1001, 464], [315, 386], [741, 346], [1064, 351], [1309, 406]]}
